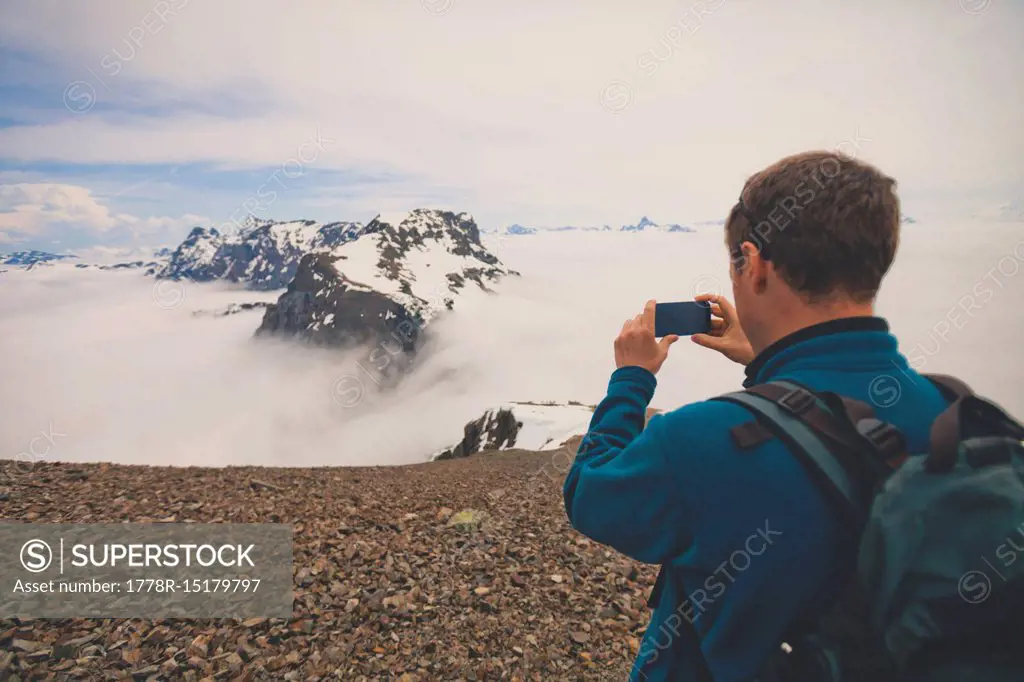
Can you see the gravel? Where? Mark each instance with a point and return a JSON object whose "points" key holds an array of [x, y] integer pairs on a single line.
{"points": [[454, 570]]}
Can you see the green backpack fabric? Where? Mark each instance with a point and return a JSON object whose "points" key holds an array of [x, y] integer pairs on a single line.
{"points": [[937, 594]]}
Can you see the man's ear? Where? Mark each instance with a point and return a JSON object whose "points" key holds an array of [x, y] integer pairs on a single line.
{"points": [[755, 266]]}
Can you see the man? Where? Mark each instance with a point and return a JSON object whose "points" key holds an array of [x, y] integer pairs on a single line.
{"points": [[747, 542]]}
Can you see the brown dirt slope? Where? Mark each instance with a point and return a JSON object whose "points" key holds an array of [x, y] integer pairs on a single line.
{"points": [[385, 588]]}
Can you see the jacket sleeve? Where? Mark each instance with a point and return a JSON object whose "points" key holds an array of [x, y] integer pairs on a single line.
{"points": [[620, 490]]}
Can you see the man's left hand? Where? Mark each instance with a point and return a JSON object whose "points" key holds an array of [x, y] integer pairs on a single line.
{"points": [[636, 345]]}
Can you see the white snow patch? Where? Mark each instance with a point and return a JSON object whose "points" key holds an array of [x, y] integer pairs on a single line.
{"points": [[424, 269], [547, 427]]}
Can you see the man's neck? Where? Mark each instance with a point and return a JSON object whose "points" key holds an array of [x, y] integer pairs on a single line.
{"points": [[802, 316]]}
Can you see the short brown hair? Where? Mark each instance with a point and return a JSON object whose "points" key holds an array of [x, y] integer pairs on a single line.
{"points": [[829, 223]]}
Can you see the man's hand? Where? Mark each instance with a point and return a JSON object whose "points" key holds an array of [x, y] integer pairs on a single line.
{"points": [[726, 335], [636, 345]]}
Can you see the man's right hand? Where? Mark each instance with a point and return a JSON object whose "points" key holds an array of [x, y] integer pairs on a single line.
{"points": [[726, 335]]}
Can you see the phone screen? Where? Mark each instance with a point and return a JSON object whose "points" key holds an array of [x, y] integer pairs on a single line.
{"points": [[684, 318]]}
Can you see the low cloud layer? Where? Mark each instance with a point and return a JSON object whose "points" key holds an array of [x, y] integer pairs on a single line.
{"points": [[101, 366]]}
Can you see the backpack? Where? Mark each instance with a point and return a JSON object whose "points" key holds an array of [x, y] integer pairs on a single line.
{"points": [[936, 591]]}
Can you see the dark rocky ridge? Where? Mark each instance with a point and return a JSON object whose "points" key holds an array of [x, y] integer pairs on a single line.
{"points": [[321, 308], [232, 309], [152, 267], [495, 430]]}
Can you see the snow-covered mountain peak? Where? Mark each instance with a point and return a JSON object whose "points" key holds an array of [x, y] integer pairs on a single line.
{"points": [[421, 259], [428, 224], [397, 273], [456, 233]]}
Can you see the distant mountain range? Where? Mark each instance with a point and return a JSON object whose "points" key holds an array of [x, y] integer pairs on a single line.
{"points": [[644, 225], [32, 257], [647, 225], [264, 255], [1010, 212]]}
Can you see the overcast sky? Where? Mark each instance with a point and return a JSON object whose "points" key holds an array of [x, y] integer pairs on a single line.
{"points": [[127, 123]]}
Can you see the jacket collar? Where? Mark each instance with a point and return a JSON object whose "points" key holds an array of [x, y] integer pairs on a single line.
{"points": [[842, 325]]}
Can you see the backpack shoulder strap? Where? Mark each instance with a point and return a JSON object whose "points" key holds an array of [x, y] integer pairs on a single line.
{"points": [[944, 438], [782, 408], [945, 432], [847, 451], [842, 421], [967, 418], [950, 387]]}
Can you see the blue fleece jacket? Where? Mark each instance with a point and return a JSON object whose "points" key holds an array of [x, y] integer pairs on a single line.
{"points": [[746, 541]]}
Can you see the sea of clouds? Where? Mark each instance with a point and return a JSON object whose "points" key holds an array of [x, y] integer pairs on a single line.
{"points": [[109, 366]]}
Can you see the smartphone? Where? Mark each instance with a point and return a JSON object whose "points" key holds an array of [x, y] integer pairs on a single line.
{"points": [[683, 319]]}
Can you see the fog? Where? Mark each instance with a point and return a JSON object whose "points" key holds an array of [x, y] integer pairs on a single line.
{"points": [[111, 366]]}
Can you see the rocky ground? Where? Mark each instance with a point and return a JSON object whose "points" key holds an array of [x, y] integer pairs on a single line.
{"points": [[387, 585]]}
